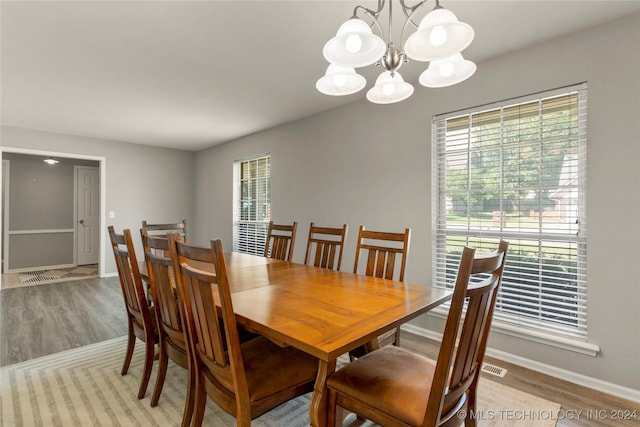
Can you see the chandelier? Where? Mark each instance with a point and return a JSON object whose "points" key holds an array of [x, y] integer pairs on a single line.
{"points": [[439, 39]]}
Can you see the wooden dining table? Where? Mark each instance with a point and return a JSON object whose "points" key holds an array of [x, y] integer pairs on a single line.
{"points": [[322, 312]]}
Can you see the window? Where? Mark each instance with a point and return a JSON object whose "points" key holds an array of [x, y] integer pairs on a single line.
{"points": [[251, 204], [516, 170]]}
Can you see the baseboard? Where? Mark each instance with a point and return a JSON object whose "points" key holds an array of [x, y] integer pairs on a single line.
{"points": [[563, 374]]}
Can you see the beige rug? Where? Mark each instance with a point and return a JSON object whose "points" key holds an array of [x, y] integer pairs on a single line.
{"points": [[83, 387], [56, 275]]}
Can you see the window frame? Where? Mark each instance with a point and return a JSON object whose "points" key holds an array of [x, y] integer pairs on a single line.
{"points": [[485, 238], [250, 225]]}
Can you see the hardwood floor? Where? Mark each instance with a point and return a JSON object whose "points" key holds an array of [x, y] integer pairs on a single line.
{"points": [[580, 406], [45, 319], [40, 320]]}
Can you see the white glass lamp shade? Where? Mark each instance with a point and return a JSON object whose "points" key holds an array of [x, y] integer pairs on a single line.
{"points": [[447, 71], [338, 81], [439, 35], [389, 89], [354, 45]]}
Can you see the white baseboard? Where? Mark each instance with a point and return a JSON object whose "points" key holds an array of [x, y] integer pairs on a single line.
{"points": [[563, 374]]}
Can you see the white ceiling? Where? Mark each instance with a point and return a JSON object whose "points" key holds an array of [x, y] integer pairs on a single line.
{"points": [[192, 74]]}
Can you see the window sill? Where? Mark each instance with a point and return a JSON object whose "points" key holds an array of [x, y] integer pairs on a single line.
{"points": [[564, 343]]}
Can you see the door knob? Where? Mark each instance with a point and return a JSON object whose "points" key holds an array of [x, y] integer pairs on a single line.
{"points": [[81, 221]]}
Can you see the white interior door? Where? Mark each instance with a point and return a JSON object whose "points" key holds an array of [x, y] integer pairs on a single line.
{"points": [[88, 214]]}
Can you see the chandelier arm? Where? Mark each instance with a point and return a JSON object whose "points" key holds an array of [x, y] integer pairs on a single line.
{"points": [[409, 11], [367, 10], [373, 14]]}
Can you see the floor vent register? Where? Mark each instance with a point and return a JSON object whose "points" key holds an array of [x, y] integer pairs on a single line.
{"points": [[494, 370]]}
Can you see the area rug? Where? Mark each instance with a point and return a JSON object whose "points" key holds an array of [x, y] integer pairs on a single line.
{"points": [[57, 275], [83, 387]]}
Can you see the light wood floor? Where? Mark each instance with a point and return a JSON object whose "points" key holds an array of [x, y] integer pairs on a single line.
{"points": [[40, 320], [580, 406], [45, 319]]}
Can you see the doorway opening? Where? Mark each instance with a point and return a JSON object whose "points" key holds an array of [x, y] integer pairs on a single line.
{"points": [[52, 216]]}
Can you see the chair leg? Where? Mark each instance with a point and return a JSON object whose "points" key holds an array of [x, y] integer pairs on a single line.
{"points": [[161, 375], [148, 365], [243, 415], [200, 402], [189, 403], [470, 421], [131, 343], [331, 409], [397, 339], [242, 421], [335, 413]]}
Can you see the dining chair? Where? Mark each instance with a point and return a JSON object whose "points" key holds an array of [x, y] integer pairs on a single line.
{"points": [[378, 385], [141, 322], [280, 241], [244, 379], [172, 334], [164, 229], [324, 246], [383, 252]]}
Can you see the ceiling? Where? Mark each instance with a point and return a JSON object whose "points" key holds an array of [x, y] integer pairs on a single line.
{"points": [[193, 74]]}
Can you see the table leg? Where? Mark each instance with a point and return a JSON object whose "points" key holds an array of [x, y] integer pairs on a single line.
{"points": [[319, 400]]}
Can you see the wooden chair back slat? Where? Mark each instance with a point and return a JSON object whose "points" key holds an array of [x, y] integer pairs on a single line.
{"points": [[382, 252], [325, 245], [162, 284], [280, 241], [129, 273], [164, 229], [123, 263]]}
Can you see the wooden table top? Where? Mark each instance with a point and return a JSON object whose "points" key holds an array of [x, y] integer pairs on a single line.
{"points": [[323, 312]]}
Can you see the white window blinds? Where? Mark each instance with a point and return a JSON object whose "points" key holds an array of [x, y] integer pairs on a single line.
{"points": [[252, 204], [516, 170]]}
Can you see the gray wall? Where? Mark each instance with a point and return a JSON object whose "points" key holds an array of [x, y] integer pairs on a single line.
{"points": [[142, 182], [369, 164]]}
